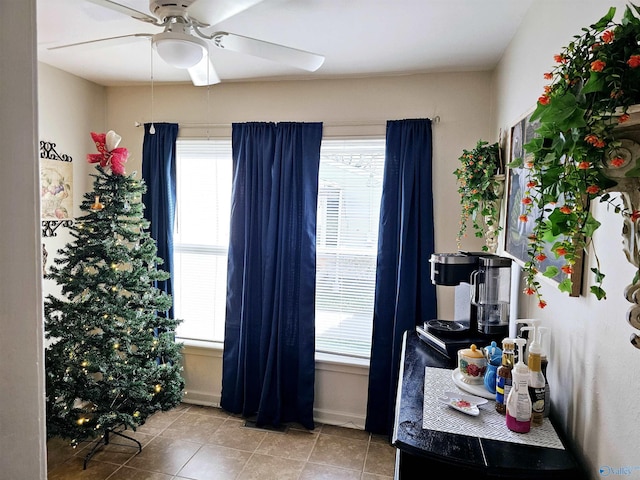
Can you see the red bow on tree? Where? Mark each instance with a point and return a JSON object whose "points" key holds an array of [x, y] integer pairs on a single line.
{"points": [[110, 154]]}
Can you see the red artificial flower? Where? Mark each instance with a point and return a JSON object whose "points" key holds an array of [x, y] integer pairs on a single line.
{"points": [[527, 201], [593, 189], [598, 65], [635, 215], [616, 93], [541, 257], [594, 140], [608, 36], [542, 304], [634, 61], [559, 58], [548, 76], [565, 209], [561, 251], [544, 99], [623, 118], [568, 269], [617, 162], [584, 165], [531, 184], [529, 165], [529, 291], [523, 218]]}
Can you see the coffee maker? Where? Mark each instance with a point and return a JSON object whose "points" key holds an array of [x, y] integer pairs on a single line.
{"points": [[482, 284]]}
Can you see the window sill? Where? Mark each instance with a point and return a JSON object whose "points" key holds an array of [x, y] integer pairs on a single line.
{"points": [[189, 342], [192, 346], [201, 347], [342, 360]]}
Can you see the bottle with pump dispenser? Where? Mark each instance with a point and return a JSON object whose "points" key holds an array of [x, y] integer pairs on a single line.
{"points": [[503, 376], [521, 331], [518, 402], [536, 377], [543, 366]]}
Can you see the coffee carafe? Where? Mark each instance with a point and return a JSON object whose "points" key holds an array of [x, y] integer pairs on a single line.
{"points": [[490, 295]]}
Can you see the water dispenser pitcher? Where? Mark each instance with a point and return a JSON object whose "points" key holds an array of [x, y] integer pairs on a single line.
{"points": [[491, 293]]}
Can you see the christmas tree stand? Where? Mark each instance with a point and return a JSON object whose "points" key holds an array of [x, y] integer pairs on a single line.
{"points": [[104, 440]]}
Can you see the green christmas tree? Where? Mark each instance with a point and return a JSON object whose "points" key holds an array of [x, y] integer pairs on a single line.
{"points": [[113, 360]]}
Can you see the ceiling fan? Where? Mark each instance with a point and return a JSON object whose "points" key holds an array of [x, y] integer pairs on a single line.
{"points": [[184, 43]]}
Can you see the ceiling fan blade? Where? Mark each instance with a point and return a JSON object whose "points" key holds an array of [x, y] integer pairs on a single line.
{"points": [[212, 13], [271, 51], [203, 73], [145, 17], [109, 41]]}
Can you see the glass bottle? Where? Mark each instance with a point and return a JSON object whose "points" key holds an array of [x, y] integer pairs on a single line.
{"points": [[503, 375], [547, 396]]}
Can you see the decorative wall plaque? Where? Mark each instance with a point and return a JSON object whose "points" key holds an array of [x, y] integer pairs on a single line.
{"points": [[56, 189]]}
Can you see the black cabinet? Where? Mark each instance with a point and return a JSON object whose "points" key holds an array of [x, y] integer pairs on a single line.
{"points": [[420, 451]]}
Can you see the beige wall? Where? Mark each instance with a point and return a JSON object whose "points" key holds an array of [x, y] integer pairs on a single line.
{"points": [[594, 382], [22, 432], [463, 102], [69, 109], [347, 107]]}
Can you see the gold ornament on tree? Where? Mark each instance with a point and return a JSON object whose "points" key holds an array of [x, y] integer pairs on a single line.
{"points": [[97, 206]]}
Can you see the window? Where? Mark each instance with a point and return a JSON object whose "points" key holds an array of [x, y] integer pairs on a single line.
{"points": [[201, 237], [350, 188]]}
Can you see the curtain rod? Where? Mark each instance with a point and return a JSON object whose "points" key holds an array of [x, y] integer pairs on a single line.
{"points": [[434, 120]]}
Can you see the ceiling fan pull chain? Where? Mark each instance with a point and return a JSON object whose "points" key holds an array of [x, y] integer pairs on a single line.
{"points": [[152, 128], [208, 94]]}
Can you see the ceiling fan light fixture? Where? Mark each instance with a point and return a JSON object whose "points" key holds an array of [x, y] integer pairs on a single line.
{"points": [[178, 49]]}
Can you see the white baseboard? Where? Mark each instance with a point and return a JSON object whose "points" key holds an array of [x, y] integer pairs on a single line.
{"points": [[341, 419], [205, 399]]}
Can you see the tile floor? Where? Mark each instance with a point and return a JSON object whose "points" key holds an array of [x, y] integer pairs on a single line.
{"points": [[205, 443]]}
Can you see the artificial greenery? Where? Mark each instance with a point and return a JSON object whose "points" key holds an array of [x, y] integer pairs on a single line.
{"points": [[113, 360], [595, 81], [479, 189]]}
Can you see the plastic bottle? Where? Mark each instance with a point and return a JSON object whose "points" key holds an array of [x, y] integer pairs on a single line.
{"points": [[543, 366], [518, 415], [521, 332], [536, 377], [503, 375]]}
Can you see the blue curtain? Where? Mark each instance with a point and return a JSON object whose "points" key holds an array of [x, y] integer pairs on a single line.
{"points": [[159, 174], [268, 361], [404, 295]]}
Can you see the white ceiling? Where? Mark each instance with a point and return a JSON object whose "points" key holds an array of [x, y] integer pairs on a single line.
{"points": [[357, 38]]}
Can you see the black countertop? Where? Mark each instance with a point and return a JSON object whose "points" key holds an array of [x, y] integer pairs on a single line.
{"points": [[462, 453]]}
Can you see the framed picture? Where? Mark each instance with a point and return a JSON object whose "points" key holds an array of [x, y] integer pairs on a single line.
{"points": [[56, 189], [516, 237]]}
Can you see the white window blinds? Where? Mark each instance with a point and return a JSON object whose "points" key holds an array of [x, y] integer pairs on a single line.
{"points": [[201, 237], [350, 188]]}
